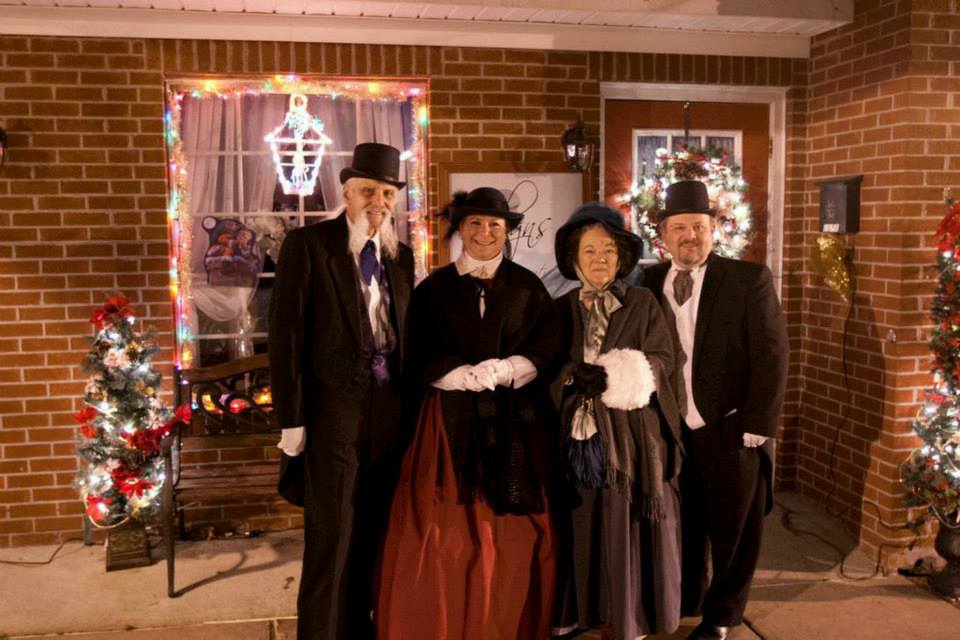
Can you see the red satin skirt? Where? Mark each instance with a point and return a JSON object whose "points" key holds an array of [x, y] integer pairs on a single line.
{"points": [[458, 571]]}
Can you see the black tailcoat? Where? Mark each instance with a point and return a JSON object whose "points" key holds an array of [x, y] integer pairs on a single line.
{"points": [[320, 357], [740, 355]]}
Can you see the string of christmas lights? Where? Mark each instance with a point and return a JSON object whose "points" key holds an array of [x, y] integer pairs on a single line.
{"points": [[178, 211]]}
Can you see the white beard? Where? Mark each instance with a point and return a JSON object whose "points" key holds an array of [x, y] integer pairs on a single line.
{"points": [[389, 243]]}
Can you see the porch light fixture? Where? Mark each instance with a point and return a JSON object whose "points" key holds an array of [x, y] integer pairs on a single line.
{"points": [[577, 150]]}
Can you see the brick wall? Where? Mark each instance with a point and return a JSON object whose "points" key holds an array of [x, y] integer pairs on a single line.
{"points": [[881, 103], [82, 200]]}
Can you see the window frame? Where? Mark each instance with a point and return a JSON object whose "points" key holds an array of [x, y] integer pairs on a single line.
{"points": [[416, 90]]}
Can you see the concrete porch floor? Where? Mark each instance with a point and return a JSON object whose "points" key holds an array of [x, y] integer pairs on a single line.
{"points": [[245, 589]]}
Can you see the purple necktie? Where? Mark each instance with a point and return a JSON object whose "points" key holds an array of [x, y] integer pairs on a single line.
{"points": [[369, 265]]}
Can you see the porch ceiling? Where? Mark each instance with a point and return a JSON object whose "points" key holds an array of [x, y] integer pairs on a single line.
{"points": [[745, 27]]}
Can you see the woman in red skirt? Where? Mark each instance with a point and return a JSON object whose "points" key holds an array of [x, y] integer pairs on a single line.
{"points": [[469, 553]]}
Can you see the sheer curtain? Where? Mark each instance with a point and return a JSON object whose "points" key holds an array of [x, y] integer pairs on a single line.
{"points": [[340, 121], [389, 123], [211, 139], [260, 114]]}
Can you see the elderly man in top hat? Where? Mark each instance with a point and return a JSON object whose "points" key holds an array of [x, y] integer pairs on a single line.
{"points": [[733, 343], [337, 333]]}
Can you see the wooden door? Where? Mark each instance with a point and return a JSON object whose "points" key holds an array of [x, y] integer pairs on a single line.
{"points": [[748, 122]]}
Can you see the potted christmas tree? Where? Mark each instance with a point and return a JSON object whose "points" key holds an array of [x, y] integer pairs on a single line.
{"points": [[932, 472], [122, 423]]}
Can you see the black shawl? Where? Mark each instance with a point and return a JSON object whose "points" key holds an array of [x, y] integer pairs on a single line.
{"points": [[642, 445], [495, 437]]}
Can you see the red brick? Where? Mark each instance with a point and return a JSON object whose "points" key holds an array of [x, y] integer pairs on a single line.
{"points": [[129, 155], [28, 93]]}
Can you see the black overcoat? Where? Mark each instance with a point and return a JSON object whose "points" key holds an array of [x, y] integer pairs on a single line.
{"points": [[639, 324], [739, 374], [317, 352], [635, 587], [321, 349], [740, 350]]}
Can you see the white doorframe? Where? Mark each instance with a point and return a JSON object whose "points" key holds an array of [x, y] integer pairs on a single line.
{"points": [[776, 97]]}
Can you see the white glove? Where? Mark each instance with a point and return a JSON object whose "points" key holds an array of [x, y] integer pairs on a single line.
{"points": [[522, 371], [455, 379], [752, 440], [505, 373], [485, 375], [293, 441]]}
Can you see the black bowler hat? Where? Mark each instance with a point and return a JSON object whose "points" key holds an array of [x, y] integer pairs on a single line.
{"points": [[687, 196], [374, 161], [482, 201], [612, 221]]}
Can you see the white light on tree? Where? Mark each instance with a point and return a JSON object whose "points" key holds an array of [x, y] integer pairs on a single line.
{"points": [[298, 145]]}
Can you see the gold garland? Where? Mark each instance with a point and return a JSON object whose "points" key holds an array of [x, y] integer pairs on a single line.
{"points": [[829, 261]]}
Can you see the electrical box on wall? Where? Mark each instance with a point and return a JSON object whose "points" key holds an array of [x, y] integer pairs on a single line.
{"points": [[840, 205]]}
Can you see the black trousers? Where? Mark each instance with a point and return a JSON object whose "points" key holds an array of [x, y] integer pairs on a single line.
{"points": [[723, 494], [349, 488]]}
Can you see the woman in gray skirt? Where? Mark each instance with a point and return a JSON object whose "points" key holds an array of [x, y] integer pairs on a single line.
{"points": [[620, 429]]}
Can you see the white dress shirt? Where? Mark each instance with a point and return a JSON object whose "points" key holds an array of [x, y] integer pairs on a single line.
{"points": [[686, 316]]}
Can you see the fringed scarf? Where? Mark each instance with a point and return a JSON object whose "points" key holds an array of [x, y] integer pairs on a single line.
{"points": [[624, 457]]}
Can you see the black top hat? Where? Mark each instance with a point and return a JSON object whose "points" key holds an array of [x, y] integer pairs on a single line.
{"points": [[612, 221], [375, 161], [687, 196], [482, 201]]}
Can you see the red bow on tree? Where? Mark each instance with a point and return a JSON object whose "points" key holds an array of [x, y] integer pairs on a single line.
{"points": [[950, 225], [128, 482], [93, 507], [85, 417], [87, 414], [183, 414], [147, 441], [117, 305]]}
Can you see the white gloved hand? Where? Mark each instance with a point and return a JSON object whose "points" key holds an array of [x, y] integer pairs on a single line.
{"points": [[485, 374], [293, 441], [470, 382], [505, 373], [752, 440]]}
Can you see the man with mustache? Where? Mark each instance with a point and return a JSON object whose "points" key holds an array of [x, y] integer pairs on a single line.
{"points": [[733, 344], [337, 333]]}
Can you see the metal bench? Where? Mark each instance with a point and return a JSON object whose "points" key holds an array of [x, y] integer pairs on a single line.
{"points": [[232, 411]]}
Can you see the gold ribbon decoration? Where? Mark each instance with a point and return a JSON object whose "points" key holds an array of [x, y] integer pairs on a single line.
{"points": [[829, 260]]}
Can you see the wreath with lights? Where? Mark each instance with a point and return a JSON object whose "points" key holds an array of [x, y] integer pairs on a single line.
{"points": [[725, 186]]}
